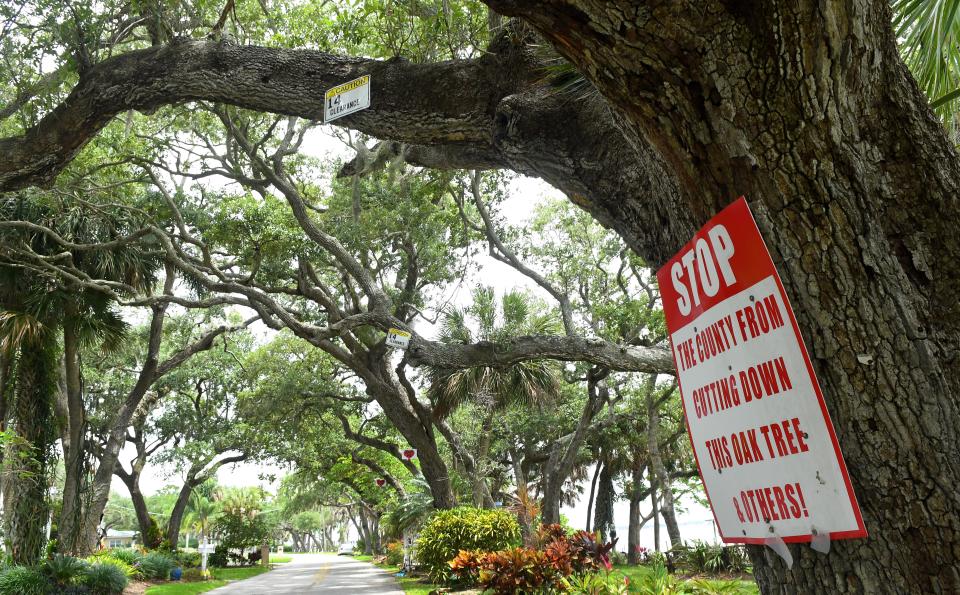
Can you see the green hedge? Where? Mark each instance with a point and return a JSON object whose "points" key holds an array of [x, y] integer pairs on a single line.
{"points": [[465, 528]]}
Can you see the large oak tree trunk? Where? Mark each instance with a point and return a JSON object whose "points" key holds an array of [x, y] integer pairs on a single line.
{"points": [[806, 108]]}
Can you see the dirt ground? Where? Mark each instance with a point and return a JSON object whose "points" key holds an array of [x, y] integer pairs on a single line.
{"points": [[137, 588]]}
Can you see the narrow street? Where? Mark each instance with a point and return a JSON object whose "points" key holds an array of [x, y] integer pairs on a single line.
{"points": [[317, 573]]}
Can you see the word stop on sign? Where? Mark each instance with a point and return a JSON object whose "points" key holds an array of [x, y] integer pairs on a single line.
{"points": [[703, 268]]}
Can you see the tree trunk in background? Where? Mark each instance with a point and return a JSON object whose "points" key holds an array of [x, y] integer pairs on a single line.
{"points": [[669, 514], [807, 109], [481, 495], [656, 465], [6, 397], [593, 492], [375, 529], [637, 495], [32, 454], [416, 426], [527, 530], [654, 503], [633, 532], [563, 455], [132, 481], [192, 480], [603, 511], [77, 534]]}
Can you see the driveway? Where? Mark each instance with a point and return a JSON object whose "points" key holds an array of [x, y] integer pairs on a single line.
{"points": [[317, 573]]}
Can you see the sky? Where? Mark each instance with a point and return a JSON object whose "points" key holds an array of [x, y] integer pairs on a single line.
{"points": [[696, 521]]}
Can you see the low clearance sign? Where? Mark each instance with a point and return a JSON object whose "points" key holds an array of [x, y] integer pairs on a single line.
{"points": [[761, 434]]}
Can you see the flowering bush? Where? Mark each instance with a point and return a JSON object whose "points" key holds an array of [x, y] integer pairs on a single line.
{"points": [[394, 555], [529, 570]]}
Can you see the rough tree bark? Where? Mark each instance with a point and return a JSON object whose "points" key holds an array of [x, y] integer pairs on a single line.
{"points": [[26, 505], [655, 511], [807, 109]]}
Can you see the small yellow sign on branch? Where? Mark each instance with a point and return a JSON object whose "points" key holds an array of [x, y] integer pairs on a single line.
{"points": [[398, 338]]}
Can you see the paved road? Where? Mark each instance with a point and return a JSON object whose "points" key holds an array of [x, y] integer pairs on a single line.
{"points": [[317, 573]]}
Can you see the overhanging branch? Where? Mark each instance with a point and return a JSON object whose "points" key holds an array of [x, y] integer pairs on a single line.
{"points": [[656, 360], [284, 81]]}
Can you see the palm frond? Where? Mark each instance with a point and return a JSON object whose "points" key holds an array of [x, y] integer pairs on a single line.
{"points": [[454, 329], [19, 328], [929, 36]]}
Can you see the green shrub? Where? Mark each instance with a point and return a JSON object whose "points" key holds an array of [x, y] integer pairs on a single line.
{"points": [[702, 557], [63, 570], [127, 570], [104, 553], [465, 528], [186, 559], [156, 565], [130, 556], [602, 583], [23, 580], [218, 557], [105, 579]]}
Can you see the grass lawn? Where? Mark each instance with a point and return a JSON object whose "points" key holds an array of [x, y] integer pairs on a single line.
{"points": [[221, 576], [280, 559], [181, 588]]}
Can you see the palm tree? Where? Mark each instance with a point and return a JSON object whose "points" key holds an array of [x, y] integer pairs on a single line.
{"points": [[929, 35], [493, 389], [31, 382], [201, 512], [38, 310]]}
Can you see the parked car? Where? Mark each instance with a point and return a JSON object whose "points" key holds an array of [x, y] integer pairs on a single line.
{"points": [[345, 548]]}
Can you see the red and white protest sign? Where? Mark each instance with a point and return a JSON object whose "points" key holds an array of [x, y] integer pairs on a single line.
{"points": [[761, 434]]}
